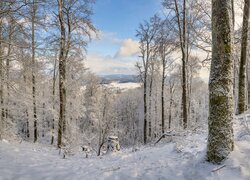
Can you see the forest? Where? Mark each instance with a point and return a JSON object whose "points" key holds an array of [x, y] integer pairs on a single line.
{"points": [[52, 105]]}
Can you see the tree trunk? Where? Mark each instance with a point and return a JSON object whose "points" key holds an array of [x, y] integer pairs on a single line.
{"points": [[184, 76], [242, 95], [163, 100], [62, 75], [145, 108], [99, 149], [101, 131], [170, 106], [183, 38], [220, 137], [8, 69], [248, 83], [1, 85], [34, 8], [156, 111], [53, 96], [27, 124], [150, 106], [26, 114], [190, 94]]}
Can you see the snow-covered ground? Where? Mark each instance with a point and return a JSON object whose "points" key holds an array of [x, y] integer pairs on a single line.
{"points": [[183, 158], [124, 86]]}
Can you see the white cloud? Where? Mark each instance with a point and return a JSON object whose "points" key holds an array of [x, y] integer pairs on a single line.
{"points": [[110, 54], [128, 48], [109, 65]]}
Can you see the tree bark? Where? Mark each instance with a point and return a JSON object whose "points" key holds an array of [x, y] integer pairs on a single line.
{"points": [[34, 8], [150, 105], [62, 74], [171, 91], [53, 96], [26, 114], [184, 59], [221, 111], [183, 37], [1, 85], [145, 107], [242, 93], [248, 84], [163, 98], [8, 69]]}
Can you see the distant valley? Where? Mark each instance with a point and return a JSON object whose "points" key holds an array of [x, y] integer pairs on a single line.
{"points": [[119, 78]]}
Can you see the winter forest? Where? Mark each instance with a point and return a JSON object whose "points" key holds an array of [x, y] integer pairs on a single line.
{"points": [[107, 89]]}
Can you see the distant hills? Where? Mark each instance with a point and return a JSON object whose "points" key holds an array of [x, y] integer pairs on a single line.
{"points": [[120, 78]]}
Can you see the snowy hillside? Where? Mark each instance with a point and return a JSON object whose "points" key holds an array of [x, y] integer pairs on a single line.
{"points": [[182, 158]]}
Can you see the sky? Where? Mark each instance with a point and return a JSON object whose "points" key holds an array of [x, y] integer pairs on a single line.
{"points": [[115, 51]]}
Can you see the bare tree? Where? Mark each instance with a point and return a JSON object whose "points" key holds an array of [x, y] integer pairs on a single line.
{"points": [[165, 44], [146, 33], [104, 119], [75, 26], [180, 14]]}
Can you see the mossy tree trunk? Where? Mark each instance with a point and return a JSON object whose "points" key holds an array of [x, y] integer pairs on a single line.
{"points": [[220, 138], [242, 95]]}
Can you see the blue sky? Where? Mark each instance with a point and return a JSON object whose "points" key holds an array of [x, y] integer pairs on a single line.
{"points": [[116, 50], [123, 16]]}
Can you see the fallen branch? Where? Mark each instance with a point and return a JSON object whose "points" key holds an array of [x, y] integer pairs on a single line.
{"points": [[163, 136], [217, 169]]}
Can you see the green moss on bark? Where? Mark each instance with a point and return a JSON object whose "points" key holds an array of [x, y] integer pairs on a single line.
{"points": [[220, 138]]}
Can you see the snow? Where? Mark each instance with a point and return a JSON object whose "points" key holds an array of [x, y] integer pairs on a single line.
{"points": [[125, 86], [181, 158]]}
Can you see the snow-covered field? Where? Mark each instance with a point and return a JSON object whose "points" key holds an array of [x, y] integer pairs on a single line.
{"points": [[183, 158], [124, 86]]}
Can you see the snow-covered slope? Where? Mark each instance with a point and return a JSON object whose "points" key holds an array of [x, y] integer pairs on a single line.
{"points": [[183, 158]]}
